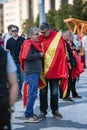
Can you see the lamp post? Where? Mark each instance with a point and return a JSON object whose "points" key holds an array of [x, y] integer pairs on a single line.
{"points": [[42, 17]]}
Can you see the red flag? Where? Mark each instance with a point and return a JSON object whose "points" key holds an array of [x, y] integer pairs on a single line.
{"points": [[78, 68], [24, 93], [25, 47], [55, 65], [63, 87]]}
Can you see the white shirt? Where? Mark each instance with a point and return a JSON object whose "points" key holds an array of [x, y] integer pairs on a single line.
{"points": [[84, 43], [11, 67]]}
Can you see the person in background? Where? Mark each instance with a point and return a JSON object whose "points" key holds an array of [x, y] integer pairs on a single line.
{"points": [[30, 60], [1, 40], [84, 45], [23, 35], [8, 88], [54, 68], [8, 35], [13, 45], [70, 46]]}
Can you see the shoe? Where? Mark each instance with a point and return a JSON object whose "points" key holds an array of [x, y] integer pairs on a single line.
{"points": [[31, 120], [68, 99], [34, 116], [41, 116], [77, 96], [57, 115]]}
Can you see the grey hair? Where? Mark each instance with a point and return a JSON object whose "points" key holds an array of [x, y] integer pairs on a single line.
{"points": [[31, 31]]}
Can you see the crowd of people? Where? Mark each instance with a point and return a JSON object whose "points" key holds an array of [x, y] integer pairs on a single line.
{"points": [[48, 53]]}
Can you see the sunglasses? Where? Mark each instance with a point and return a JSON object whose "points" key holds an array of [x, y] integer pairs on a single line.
{"points": [[14, 30], [43, 32], [36, 34]]}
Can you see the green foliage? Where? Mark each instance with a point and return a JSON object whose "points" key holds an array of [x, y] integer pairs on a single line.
{"points": [[50, 17], [56, 18], [37, 21], [84, 11], [26, 24], [77, 9], [63, 13]]}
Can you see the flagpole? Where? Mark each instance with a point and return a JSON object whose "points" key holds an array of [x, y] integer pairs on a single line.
{"points": [[42, 17]]}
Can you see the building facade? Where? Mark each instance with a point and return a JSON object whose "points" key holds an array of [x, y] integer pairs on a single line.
{"points": [[1, 18], [16, 11], [13, 13]]}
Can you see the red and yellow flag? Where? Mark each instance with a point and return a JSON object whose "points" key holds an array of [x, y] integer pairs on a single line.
{"points": [[55, 65]]}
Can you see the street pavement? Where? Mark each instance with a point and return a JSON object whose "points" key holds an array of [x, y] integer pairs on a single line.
{"points": [[74, 113]]}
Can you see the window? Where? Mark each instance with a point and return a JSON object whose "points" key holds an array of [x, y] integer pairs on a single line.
{"points": [[64, 2], [30, 8], [52, 2]]}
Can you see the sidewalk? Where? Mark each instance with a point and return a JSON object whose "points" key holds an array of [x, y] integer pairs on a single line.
{"points": [[74, 113]]}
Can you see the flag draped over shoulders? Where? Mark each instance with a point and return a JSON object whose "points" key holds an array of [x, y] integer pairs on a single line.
{"points": [[55, 57], [78, 68], [25, 47], [55, 64]]}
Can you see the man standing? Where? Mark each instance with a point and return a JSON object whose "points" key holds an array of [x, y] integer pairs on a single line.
{"points": [[13, 45], [8, 88], [74, 66], [8, 35], [54, 68], [31, 63]]}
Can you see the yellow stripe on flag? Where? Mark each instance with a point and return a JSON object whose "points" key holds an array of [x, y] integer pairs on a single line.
{"points": [[50, 53]]}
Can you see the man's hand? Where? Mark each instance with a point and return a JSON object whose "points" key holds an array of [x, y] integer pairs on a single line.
{"points": [[41, 53]]}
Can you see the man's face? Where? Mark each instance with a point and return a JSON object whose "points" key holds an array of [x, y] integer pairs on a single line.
{"points": [[35, 36], [68, 36], [45, 32], [14, 32]]}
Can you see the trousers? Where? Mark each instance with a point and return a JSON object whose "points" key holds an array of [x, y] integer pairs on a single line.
{"points": [[54, 86], [5, 123]]}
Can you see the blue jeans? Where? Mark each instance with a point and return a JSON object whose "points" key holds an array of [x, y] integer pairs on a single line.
{"points": [[20, 78], [32, 81]]}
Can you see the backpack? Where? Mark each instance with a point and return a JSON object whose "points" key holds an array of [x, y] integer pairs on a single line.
{"points": [[4, 91]]}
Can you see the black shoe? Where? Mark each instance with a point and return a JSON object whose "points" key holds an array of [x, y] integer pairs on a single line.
{"points": [[41, 116], [57, 115], [68, 99], [77, 96]]}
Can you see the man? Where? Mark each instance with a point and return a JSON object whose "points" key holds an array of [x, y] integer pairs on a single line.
{"points": [[14, 45], [8, 88], [8, 35], [72, 64], [54, 68], [31, 63]]}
